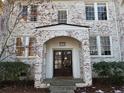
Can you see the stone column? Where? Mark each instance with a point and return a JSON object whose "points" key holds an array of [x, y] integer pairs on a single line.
{"points": [[85, 64], [39, 67], [87, 71]]}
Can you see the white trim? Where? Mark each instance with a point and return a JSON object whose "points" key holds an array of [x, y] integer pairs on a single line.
{"points": [[111, 48], [96, 11], [29, 57], [28, 16], [15, 44], [107, 10], [99, 45], [26, 44]]}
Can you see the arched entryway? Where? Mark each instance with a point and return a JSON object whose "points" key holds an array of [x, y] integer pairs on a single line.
{"points": [[62, 57], [63, 38]]}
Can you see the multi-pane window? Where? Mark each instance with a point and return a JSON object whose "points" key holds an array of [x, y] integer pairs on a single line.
{"points": [[19, 47], [100, 45], [31, 48], [25, 46], [96, 11], [24, 12], [102, 11], [33, 15], [62, 16], [93, 46], [90, 15], [105, 45]]}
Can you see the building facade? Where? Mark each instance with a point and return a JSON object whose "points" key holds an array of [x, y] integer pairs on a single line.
{"points": [[62, 38]]}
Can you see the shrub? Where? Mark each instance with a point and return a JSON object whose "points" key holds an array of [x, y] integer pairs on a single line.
{"points": [[13, 70], [112, 70]]}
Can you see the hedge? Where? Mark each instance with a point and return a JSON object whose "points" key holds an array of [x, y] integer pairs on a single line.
{"points": [[112, 70], [13, 70]]}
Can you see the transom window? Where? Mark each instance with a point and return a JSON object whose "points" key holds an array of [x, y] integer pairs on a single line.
{"points": [[62, 16], [100, 45], [96, 11], [25, 46]]}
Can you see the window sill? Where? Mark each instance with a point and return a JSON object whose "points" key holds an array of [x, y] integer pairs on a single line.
{"points": [[95, 56], [29, 57], [96, 20]]}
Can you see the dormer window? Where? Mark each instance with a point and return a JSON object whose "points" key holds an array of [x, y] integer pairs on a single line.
{"points": [[62, 16]]}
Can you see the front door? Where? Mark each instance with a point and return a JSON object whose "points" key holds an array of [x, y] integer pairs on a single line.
{"points": [[62, 63]]}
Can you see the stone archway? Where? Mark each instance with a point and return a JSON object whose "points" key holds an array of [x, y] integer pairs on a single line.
{"points": [[81, 35], [70, 50]]}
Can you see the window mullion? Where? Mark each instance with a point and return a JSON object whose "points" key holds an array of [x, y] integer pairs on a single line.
{"points": [[99, 45], [26, 52], [110, 38], [26, 46], [107, 11], [96, 11]]}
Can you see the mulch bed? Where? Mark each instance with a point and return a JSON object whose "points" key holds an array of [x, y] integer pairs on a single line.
{"points": [[27, 87], [101, 85], [20, 87]]}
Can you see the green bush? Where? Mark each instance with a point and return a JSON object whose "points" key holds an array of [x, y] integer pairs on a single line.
{"points": [[13, 70], [114, 71]]}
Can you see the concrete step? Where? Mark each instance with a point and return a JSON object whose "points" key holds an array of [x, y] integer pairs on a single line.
{"points": [[62, 85], [62, 89], [62, 82]]}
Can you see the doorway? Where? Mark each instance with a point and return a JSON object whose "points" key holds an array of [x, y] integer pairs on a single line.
{"points": [[62, 63]]}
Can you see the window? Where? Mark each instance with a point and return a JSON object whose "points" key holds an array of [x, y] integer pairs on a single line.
{"points": [[62, 16], [31, 47], [19, 47], [100, 45], [105, 46], [96, 11], [25, 46], [90, 15], [33, 15], [102, 12], [24, 13], [93, 46]]}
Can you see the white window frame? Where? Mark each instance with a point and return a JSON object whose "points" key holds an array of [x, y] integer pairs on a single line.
{"points": [[26, 49], [96, 11], [99, 48]]}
